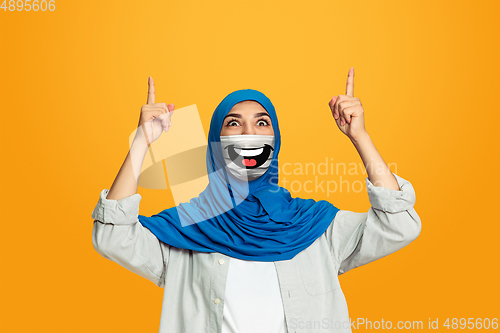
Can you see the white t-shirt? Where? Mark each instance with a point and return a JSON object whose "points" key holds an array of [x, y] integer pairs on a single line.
{"points": [[252, 298]]}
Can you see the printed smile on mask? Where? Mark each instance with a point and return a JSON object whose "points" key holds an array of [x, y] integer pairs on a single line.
{"points": [[249, 158]]}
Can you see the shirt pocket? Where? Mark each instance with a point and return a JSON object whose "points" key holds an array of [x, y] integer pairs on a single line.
{"points": [[318, 272]]}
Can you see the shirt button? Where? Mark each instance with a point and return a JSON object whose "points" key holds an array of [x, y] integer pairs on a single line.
{"points": [[221, 261], [216, 301]]}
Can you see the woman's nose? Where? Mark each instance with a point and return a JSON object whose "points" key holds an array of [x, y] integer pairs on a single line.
{"points": [[248, 129]]}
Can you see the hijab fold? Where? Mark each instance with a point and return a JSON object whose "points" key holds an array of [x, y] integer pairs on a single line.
{"points": [[250, 220]]}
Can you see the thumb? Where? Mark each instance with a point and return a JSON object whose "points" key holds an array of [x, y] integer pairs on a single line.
{"points": [[332, 101], [332, 106], [171, 108]]}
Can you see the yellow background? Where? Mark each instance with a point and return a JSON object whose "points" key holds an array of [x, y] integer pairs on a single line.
{"points": [[72, 83]]}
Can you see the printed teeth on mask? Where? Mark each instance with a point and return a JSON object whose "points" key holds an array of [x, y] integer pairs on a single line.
{"points": [[249, 152]]}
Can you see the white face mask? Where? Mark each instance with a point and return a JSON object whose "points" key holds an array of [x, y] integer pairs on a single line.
{"points": [[247, 157]]}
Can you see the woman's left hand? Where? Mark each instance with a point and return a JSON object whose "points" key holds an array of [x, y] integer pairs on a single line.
{"points": [[348, 111]]}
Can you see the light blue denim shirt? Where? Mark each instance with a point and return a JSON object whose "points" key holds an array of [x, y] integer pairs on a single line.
{"points": [[194, 282]]}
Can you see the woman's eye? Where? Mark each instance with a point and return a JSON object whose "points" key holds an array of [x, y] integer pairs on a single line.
{"points": [[232, 123], [262, 123]]}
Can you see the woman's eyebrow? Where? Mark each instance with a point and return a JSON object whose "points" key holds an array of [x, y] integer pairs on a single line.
{"points": [[237, 115], [262, 114]]}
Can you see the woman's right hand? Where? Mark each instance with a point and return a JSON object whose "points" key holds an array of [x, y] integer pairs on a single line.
{"points": [[155, 117]]}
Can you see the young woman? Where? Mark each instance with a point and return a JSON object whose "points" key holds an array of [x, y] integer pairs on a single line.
{"points": [[244, 256]]}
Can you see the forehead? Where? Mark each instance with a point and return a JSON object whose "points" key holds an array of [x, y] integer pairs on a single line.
{"points": [[248, 106]]}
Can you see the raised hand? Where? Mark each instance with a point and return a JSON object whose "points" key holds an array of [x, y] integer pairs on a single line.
{"points": [[155, 117], [348, 111]]}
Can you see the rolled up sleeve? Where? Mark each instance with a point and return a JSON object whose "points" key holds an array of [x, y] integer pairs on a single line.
{"points": [[119, 236], [390, 224]]}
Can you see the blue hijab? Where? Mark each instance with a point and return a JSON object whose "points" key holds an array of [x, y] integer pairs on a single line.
{"points": [[256, 220]]}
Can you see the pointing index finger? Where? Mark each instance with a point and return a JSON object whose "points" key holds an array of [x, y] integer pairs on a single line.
{"points": [[151, 91], [349, 88]]}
